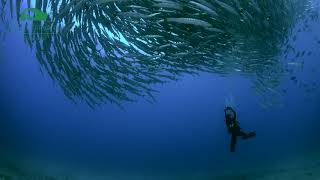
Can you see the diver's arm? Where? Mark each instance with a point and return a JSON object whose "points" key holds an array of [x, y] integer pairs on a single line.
{"points": [[235, 115], [233, 111]]}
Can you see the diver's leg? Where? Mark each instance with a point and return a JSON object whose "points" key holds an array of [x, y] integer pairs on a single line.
{"points": [[233, 142], [238, 132], [242, 134], [248, 135]]}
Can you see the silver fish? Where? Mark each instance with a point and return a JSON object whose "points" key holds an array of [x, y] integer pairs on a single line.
{"points": [[191, 21]]}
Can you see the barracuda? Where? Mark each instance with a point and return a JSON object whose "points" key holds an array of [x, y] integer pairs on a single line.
{"points": [[153, 41]]}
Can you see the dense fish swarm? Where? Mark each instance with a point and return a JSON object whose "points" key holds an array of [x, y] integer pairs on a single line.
{"points": [[113, 50]]}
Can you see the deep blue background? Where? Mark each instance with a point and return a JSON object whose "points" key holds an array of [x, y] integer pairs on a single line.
{"points": [[183, 131]]}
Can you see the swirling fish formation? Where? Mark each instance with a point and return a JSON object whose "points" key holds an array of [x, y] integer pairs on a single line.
{"points": [[115, 50]]}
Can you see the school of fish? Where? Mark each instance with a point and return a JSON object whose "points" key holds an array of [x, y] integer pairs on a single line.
{"points": [[103, 51]]}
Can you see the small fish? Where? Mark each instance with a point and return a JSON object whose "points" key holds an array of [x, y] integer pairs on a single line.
{"points": [[164, 46], [204, 8], [26, 35], [152, 36], [166, 11], [295, 63], [98, 2], [133, 14], [11, 8], [153, 14], [215, 30], [191, 21], [227, 7], [78, 6], [67, 28], [137, 7], [171, 5]]}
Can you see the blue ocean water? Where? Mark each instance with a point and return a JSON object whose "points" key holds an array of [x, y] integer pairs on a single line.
{"points": [[182, 134]]}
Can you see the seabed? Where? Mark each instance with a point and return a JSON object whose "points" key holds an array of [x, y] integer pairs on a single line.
{"points": [[299, 168]]}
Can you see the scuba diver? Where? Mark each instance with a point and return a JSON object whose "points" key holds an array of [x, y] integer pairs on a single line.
{"points": [[234, 128]]}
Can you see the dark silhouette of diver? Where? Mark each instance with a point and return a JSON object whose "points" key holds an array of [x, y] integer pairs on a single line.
{"points": [[234, 128]]}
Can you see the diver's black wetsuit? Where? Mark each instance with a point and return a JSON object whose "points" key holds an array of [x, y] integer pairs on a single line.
{"points": [[234, 128]]}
